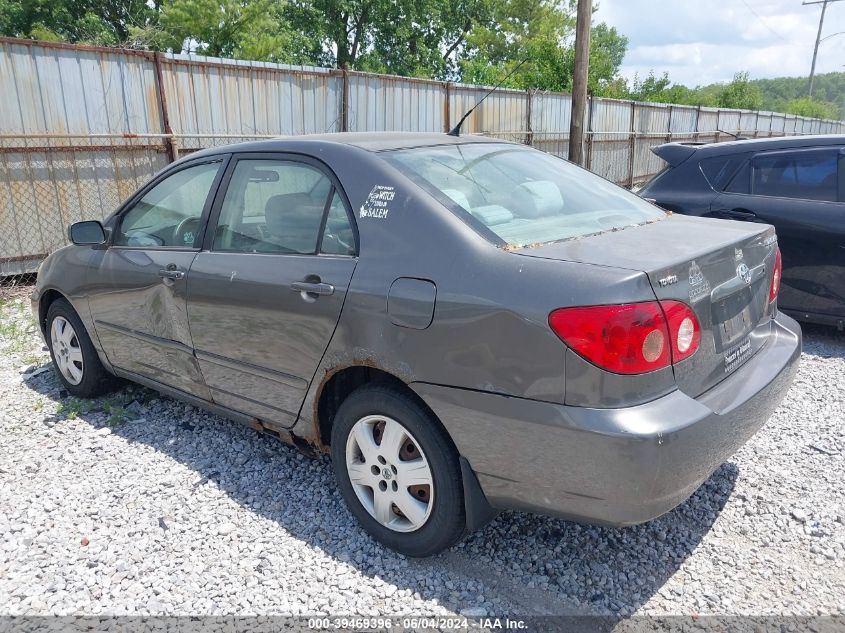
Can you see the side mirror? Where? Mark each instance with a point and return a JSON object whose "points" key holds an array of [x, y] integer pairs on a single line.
{"points": [[87, 233]]}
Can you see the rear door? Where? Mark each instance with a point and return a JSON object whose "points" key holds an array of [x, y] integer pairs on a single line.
{"points": [[266, 292], [139, 282], [800, 192]]}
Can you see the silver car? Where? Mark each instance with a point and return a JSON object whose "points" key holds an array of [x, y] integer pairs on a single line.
{"points": [[465, 325]]}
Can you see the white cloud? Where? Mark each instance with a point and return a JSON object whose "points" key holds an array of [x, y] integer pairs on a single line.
{"points": [[704, 41]]}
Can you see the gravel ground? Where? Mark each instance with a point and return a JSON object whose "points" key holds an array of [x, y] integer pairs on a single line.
{"points": [[136, 503]]}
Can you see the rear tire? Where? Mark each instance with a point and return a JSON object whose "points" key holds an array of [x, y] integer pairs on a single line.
{"points": [[400, 458], [75, 360]]}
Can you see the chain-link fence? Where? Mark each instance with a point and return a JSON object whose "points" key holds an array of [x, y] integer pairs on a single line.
{"points": [[83, 127]]}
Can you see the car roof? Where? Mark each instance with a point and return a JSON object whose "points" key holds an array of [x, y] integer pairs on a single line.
{"points": [[765, 144], [370, 141]]}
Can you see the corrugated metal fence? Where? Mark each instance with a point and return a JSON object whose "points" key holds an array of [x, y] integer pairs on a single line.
{"points": [[82, 127]]}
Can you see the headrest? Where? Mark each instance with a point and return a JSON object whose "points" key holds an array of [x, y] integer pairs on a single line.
{"points": [[283, 209], [492, 214], [537, 199], [459, 197]]}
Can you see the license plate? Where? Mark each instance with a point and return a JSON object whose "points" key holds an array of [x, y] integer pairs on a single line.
{"points": [[737, 356]]}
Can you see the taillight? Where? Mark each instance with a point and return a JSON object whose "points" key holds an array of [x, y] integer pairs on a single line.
{"points": [[632, 338], [776, 274], [685, 332]]}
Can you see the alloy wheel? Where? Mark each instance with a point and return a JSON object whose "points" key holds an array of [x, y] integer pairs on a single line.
{"points": [[66, 350], [389, 473]]}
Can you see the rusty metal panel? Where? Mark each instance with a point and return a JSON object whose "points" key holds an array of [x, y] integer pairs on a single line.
{"points": [[64, 90], [380, 103], [683, 121], [729, 121], [550, 118], [240, 101], [609, 143], [503, 114]]}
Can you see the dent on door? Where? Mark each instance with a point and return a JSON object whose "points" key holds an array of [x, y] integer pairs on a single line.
{"points": [[141, 316]]}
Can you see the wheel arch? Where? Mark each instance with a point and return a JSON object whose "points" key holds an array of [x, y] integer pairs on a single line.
{"points": [[339, 385], [48, 298]]}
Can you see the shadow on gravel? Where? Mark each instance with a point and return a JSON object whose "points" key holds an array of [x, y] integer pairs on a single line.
{"points": [[537, 564]]}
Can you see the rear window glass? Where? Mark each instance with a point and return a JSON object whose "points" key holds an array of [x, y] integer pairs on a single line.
{"points": [[719, 169], [802, 175], [522, 196]]}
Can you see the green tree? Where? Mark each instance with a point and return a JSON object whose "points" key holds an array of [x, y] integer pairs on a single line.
{"points": [[244, 29], [805, 106], [537, 37], [105, 22], [741, 94]]}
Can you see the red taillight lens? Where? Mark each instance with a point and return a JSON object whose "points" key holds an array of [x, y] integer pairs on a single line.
{"points": [[626, 339], [631, 338], [776, 274], [684, 330]]}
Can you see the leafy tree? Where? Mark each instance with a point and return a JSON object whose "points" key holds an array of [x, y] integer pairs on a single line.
{"points": [[805, 106], [245, 29], [534, 40], [741, 94], [105, 22]]}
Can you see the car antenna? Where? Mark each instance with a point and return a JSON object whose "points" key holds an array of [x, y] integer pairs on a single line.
{"points": [[737, 136], [456, 131]]}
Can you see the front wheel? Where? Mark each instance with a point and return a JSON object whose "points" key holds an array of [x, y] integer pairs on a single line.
{"points": [[398, 471], [74, 357]]}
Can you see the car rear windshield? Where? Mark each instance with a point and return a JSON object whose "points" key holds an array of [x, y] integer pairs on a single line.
{"points": [[521, 195]]}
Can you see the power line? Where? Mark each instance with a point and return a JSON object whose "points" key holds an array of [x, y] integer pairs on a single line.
{"points": [[764, 23]]}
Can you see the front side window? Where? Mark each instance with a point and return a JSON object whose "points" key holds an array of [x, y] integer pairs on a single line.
{"points": [[521, 195], [806, 175], [277, 206], [170, 214]]}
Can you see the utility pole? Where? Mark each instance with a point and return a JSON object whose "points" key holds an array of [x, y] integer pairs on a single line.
{"points": [[579, 81], [824, 4]]}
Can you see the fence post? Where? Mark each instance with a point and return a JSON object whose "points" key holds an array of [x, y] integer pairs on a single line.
{"points": [[588, 163], [169, 145], [447, 113], [529, 136], [696, 135], [344, 99], [633, 149], [669, 126]]}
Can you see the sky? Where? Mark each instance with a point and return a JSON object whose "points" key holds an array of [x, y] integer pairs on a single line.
{"points": [[705, 41]]}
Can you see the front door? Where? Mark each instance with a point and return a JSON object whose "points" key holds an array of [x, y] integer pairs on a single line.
{"points": [[265, 294], [140, 282], [799, 192]]}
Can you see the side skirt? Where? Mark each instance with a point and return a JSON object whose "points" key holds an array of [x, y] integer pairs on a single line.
{"points": [[309, 448]]}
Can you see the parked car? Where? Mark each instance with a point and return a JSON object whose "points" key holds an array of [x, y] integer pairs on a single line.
{"points": [[465, 325], [795, 183]]}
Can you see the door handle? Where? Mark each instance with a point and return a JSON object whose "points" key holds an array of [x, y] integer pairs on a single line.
{"points": [[171, 274], [741, 214], [312, 288]]}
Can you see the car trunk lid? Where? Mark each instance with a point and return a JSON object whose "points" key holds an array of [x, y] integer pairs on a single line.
{"points": [[721, 269]]}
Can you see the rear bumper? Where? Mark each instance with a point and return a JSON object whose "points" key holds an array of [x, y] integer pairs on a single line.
{"points": [[613, 466]]}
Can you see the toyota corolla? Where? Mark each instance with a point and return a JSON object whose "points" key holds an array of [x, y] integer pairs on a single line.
{"points": [[465, 325]]}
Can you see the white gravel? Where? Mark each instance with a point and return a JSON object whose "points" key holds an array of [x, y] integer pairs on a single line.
{"points": [[157, 507]]}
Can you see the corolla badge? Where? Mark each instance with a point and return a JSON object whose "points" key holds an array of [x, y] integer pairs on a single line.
{"points": [[744, 272], [699, 287]]}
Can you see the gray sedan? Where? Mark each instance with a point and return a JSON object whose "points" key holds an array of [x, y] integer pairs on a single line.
{"points": [[465, 325]]}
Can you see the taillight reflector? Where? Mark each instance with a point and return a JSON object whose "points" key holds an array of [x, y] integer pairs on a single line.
{"points": [[777, 271], [632, 338]]}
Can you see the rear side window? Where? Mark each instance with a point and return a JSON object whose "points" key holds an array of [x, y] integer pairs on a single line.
{"points": [[522, 196], [805, 175], [719, 169], [277, 206]]}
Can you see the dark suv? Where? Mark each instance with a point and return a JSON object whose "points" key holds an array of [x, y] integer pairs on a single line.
{"points": [[796, 183]]}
